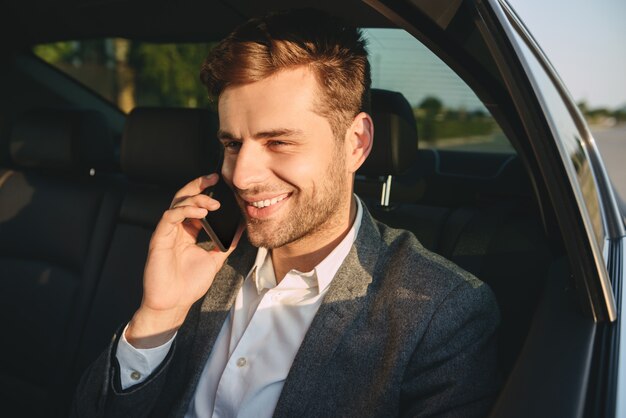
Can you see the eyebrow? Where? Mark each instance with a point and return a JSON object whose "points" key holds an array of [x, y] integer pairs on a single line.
{"points": [[274, 133]]}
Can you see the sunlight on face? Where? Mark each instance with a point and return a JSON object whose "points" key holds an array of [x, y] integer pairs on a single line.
{"points": [[281, 158]]}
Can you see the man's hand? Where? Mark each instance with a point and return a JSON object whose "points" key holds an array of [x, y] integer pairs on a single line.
{"points": [[178, 272]]}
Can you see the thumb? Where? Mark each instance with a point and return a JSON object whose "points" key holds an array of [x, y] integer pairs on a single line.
{"points": [[236, 239]]}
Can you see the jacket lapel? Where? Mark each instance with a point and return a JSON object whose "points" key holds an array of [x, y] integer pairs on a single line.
{"points": [[209, 316], [347, 294]]}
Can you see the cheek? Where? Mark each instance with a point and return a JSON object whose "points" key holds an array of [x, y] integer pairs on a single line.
{"points": [[295, 169], [302, 170]]}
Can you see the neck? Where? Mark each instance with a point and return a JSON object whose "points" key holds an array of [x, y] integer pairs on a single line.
{"points": [[306, 253]]}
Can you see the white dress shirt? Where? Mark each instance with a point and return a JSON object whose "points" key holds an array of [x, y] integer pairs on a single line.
{"points": [[255, 348]]}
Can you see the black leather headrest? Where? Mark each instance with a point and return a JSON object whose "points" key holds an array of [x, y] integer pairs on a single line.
{"points": [[395, 135], [62, 139], [169, 145]]}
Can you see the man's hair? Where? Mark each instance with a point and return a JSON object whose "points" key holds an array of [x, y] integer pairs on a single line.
{"points": [[332, 49]]}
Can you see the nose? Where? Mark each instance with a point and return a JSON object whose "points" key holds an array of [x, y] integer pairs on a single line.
{"points": [[248, 166]]}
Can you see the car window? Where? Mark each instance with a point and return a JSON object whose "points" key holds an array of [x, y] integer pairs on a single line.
{"points": [[128, 73], [570, 142], [449, 114], [131, 73]]}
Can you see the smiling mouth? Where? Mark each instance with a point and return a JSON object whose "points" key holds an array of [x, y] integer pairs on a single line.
{"points": [[268, 202]]}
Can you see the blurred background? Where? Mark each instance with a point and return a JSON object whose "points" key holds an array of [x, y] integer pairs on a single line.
{"points": [[586, 42]]}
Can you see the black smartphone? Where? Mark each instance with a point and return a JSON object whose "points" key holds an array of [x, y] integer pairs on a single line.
{"points": [[221, 225]]}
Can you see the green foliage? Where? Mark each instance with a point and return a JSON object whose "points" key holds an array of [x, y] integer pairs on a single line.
{"points": [[168, 74], [56, 52], [435, 122], [440, 129], [431, 106], [601, 115], [155, 74]]}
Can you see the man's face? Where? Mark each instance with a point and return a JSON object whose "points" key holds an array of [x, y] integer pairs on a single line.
{"points": [[286, 167]]}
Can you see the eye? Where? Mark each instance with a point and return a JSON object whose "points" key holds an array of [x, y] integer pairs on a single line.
{"points": [[231, 146], [276, 143]]}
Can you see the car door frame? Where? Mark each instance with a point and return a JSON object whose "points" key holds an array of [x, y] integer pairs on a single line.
{"points": [[595, 264], [608, 373]]}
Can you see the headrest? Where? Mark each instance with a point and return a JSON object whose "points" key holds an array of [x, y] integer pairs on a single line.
{"points": [[395, 135], [169, 145], [62, 139]]}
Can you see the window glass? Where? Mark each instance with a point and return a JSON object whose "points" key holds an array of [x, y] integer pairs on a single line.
{"points": [[129, 73], [569, 140], [449, 114]]}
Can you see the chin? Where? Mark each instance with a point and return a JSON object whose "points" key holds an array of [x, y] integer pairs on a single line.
{"points": [[262, 236], [272, 235]]}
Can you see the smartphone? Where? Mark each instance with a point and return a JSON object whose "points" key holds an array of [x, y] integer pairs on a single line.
{"points": [[221, 225]]}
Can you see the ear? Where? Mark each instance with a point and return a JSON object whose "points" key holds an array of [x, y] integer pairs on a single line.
{"points": [[359, 141]]}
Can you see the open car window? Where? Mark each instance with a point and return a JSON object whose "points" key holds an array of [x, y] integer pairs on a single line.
{"points": [[449, 114], [130, 73]]}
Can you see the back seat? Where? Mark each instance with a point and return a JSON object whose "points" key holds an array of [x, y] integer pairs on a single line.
{"points": [[394, 153], [474, 209], [73, 245], [55, 222], [74, 237], [162, 150]]}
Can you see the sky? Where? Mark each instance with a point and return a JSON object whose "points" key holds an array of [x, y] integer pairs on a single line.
{"points": [[401, 63], [584, 39], [586, 42]]}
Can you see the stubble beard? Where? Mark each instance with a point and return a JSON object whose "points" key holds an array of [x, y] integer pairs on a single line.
{"points": [[311, 214]]}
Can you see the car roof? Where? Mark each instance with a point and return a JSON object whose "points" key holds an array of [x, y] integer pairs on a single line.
{"points": [[40, 21]]}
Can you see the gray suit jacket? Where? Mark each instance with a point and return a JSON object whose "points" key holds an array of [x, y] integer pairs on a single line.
{"points": [[401, 332]]}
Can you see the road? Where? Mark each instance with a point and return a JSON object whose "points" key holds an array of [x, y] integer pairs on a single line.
{"points": [[612, 145]]}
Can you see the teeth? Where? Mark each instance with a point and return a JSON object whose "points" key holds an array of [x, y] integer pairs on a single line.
{"points": [[267, 202]]}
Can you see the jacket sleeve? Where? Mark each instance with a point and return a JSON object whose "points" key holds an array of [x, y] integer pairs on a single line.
{"points": [[452, 372], [99, 392]]}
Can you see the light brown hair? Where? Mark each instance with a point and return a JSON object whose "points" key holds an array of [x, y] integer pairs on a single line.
{"points": [[334, 50]]}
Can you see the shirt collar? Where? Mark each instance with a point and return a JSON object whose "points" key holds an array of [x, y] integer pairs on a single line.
{"points": [[328, 267], [262, 271]]}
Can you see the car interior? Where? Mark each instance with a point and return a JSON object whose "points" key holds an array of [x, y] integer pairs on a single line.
{"points": [[82, 186], [74, 243]]}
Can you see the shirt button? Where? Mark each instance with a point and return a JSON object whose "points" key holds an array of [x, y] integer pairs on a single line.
{"points": [[135, 375], [241, 361]]}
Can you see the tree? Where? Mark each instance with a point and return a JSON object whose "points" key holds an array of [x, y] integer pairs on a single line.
{"points": [[169, 73], [430, 107], [132, 73]]}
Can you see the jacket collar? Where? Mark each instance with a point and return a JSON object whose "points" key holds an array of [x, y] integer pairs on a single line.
{"points": [[212, 312], [346, 297]]}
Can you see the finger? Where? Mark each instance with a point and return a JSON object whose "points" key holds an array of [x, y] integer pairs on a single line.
{"points": [[196, 186], [236, 239], [173, 217], [195, 223], [199, 200], [179, 214], [192, 227], [223, 255]]}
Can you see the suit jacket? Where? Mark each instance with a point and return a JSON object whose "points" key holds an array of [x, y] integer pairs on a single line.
{"points": [[401, 332]]}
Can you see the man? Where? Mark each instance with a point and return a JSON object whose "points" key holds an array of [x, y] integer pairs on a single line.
{"points": [[327, 312]]}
